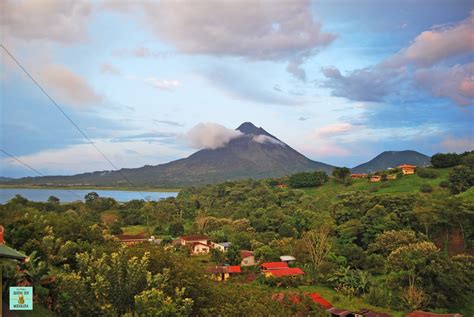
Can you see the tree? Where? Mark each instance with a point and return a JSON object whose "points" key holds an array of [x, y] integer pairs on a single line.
{"points": [[155, 302], [318, 243], [233, 255], [441, 160], [342, 174], [306, 179], [91, 197], [53, 200], [176, 229], [461, 179]]}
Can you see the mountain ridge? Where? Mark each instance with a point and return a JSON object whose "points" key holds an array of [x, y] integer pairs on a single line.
{"points": [[388, 159]]}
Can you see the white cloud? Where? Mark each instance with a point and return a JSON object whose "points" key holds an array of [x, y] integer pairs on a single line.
{"points": [[256, 30], [68, 86], [210, 136], [334, 129], [109, 69], [162, 84], [63, 21], [262, 139]]}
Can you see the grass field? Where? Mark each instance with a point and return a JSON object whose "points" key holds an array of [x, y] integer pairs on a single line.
{"points": [[139, 229]]}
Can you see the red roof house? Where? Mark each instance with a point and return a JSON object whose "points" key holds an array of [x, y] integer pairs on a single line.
{"points": [[274, 265], [291, 271], [407, 169]]}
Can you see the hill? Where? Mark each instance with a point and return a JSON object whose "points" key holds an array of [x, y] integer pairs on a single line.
{"points": [[390, 159], [255, 154]]}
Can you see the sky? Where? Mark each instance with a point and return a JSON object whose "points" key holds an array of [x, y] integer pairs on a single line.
{"points": [[153, 81]]}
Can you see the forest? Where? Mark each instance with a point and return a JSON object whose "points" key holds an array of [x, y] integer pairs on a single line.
{"points": [[394, 246]]}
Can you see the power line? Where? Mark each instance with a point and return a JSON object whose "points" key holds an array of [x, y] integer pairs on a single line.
{"points": [[33, 169], [70, 120]]}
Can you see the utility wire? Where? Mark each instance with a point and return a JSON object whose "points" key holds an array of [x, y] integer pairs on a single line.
{"points": [[70, 120], [33, 169]]}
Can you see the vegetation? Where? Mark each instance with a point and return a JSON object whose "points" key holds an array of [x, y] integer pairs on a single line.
{"points": [[389, 246]]}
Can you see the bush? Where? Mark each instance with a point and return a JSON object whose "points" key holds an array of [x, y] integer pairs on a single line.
{"points": [[378, 296], [425, 188], [444, 184], [445, 160], [300, 180], [426, 173]]}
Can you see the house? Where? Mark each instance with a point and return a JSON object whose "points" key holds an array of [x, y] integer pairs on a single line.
{"points": [[358, 175], [281, 185], [131, 239], [315, 297], [407, 169], [190, 239], [223, 273], [375, 178], [420, 313], [222, 246], [287, 258], [248, 258], [291, 271], [336, 312], [198, 248], [273, 266], [392, 176], [364, 312]]}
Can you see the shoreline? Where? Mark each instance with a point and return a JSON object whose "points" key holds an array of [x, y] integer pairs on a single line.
{"points": [[129, 189]]}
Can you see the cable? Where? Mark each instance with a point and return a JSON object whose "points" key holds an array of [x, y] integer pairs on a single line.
{"points": [[70, 120], [33, 169]]}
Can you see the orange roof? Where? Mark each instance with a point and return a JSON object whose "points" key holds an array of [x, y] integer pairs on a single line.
{"points": [[407, 166], [234, 269], [245, 253], [285, 272], [274, 265]]}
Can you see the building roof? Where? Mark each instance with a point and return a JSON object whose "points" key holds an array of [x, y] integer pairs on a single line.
{"points": [[274, 265], [195, 237], [245, 253], [132, 237], [285, 258], [224, 269], [234, 269], [285, 272], [320, 300], [420, 313], [10, 253], [339, 312], [406, 166], [368, 313], [225, 244]]}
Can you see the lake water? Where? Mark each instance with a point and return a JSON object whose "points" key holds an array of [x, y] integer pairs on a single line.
{"points": [[70, 195]]}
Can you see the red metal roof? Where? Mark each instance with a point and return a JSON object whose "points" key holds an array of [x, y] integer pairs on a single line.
{"points": [[320, 300], [274, 265], [234, 269], [195, 237], [285, 272]]}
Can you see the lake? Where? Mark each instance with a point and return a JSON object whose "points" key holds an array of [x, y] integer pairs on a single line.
{"points": [[70, 195]]}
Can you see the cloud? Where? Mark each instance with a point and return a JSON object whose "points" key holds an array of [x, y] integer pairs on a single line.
{"points": [[459, 145], [162, 84], [148, 137], [262, 139], [109, 69], [455, 83], [210, 136], [68, 86], [294, 68], [302, 119], [255, 30], [423, 64], [140, 52], [433, 46], [334, 129], [62, 21], [172, 123]]}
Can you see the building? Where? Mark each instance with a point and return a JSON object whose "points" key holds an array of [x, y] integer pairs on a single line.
{"points": [[287, 258], [281, 185], [198, 248], [420, 313], [392, 176], [222, 246], [407, 169], [336, 312], [375, 178], [248, 258], [315, 297], [223, 273], [191, 239], [364, 312], [290, 271], [273, 266], [131, 239], [360, 175]]}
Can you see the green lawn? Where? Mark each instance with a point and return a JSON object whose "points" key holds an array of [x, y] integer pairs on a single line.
{"points": [[139, 229]]}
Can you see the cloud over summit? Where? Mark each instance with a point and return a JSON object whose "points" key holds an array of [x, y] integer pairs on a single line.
{"points": [[210, 136]]}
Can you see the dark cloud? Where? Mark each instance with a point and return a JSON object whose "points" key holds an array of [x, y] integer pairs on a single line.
{"points": [[172, 123]]}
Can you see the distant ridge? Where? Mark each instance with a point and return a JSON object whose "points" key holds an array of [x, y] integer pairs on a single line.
{"points": [[256, 154], [390, 159]]}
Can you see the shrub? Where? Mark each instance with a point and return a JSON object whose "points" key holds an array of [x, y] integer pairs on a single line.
{"points": [[304, 179], [445, 160], [425, 188], [444, 184], [426, 173], [378, 296]]}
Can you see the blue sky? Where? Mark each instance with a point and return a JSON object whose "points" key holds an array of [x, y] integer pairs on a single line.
{"points": [[151, 81]]}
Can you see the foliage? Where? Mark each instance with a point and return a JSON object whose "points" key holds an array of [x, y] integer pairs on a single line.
{"points": [[426, 188], [307, 179], [445, 160], [461, 179], [342, 175], [425, 172]]}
